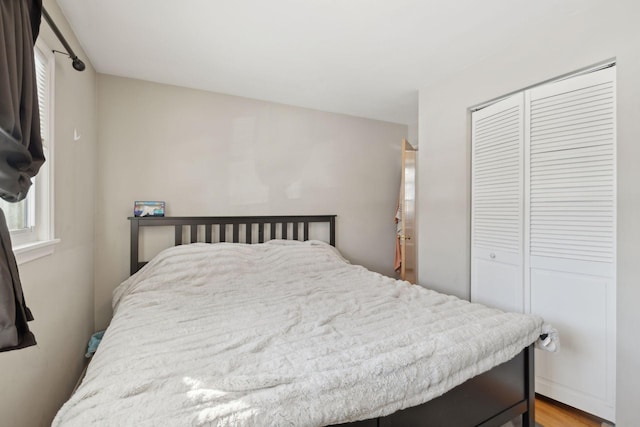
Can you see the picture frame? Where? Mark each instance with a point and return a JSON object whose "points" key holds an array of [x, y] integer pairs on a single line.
{"points": [[148, 208]]}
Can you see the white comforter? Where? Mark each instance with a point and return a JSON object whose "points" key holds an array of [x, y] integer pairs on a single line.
{"points": [[281, 334]]}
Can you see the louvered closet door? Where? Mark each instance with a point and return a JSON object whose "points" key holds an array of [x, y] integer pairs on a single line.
{"points": [[497, 205], [570, 242]]}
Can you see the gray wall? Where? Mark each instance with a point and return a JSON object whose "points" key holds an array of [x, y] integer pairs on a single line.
{"points": [[210, 154], [536, 53], [59, 288]]}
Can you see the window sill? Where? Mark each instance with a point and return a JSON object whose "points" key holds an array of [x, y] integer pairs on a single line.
{"points": [[32, 251]]}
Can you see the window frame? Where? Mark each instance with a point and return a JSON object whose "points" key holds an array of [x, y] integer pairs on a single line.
{"points": [[38, 240]]}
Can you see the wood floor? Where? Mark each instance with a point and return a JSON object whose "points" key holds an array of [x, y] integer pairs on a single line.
{"points": [[550, 413]]}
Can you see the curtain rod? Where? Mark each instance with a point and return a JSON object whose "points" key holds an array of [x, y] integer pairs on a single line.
{"points": [[76, 62]]}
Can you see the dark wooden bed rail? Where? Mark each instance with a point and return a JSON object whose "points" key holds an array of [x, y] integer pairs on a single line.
{"points": [[213, 224], [490, 399]]}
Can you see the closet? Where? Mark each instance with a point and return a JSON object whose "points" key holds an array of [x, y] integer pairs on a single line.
{"points": [[543, 226]]}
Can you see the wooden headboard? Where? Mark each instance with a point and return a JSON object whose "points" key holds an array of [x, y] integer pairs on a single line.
{"points": [[215, 229]]}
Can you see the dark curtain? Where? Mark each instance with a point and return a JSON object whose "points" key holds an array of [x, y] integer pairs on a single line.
{"points": [[20, 152]]}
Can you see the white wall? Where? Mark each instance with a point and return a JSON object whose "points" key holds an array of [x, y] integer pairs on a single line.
{"points": [[538, 52], [413, 134], [210, 154], [59, 288]]}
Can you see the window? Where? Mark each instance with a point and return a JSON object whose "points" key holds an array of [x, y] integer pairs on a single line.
{"points": [[31, 220]]}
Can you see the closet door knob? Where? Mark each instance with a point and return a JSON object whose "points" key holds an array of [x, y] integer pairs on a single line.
{"points": [[492, 255]]}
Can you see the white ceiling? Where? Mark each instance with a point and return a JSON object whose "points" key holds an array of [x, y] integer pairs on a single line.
{"points": [[365, 58]]}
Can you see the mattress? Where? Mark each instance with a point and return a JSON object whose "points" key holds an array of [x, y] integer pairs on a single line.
{"points": [[281, 334]]}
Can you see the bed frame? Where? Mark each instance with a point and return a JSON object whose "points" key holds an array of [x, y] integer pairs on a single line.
{"points": [[489, 399]]}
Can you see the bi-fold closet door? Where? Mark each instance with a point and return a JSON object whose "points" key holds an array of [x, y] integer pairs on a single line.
{"points": [[544, 226]]}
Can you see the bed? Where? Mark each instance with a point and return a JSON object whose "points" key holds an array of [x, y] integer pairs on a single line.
{"points": [[268, 327]]}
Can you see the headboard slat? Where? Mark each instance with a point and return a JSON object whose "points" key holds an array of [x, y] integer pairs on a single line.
{"points": [[332, 230], [221, 222], [178, 234], [295, 231], [208, 233], [236, 233]]}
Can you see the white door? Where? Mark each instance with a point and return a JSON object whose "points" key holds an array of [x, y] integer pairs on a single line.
{"points": [[497, 205], [543, 227], [570, 228]]}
